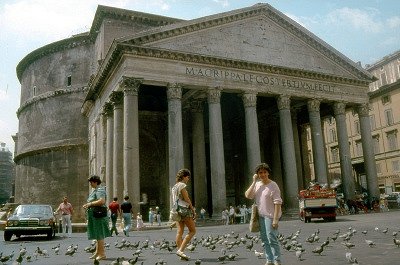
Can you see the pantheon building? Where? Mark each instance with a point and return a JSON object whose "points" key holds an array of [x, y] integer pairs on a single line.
{"points": [[140, 96]]}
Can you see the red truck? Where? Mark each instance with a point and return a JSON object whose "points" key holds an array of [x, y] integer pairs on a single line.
{"points": [[317, 202]]}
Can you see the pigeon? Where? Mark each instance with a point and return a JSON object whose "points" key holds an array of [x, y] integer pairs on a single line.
{"points": [[364, 232], [370, 243], [396, 242], [298, 254], [385, 230], [197, 262], [258, 254], [318, 250], [249, 246], [348, 245]]}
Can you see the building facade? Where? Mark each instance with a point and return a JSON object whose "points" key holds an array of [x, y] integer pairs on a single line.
{"points": [[384, 115], [217, 95], [6, 174]]}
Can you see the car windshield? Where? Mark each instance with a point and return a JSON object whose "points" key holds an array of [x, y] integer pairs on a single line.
{"points": [[33, 210]]}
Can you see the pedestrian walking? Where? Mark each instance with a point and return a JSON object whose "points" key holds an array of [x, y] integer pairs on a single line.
{"points": [[267, 196], [185, 210], [139, 222], [158, 215], [66, 210], [126, 208], [97, 227], [151, 216], [115, 210]]}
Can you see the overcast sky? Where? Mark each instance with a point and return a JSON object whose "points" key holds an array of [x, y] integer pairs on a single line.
{"points": [[363, 30]]}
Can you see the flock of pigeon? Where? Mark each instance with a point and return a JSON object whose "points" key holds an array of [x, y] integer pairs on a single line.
{"points": [[226, 248]]}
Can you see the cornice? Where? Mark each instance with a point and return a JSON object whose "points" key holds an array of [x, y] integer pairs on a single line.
{"points": [[103, 12], [50, 94], [62, 147], [121, 49], [74, 41]]}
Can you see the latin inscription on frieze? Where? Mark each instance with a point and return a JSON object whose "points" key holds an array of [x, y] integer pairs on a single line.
{"points": [[262, 80]]}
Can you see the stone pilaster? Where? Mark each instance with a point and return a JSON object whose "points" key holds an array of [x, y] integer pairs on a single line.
{"points": [[199, 155], [131, 172], [339, 109], [175, 134], [109, 114], [118, 163], [318, 148], [252, 134], [217, 160], [368, 151], [290, 190]]}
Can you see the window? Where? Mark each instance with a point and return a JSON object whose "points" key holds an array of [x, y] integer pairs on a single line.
{"points": [[375, 140], [372, 121], [34, 91], [383, 79], [69, 80], [385, 99], [332, 135], [396, 165], [397, 186], [359, 150], [389, 117], [381, 188], [392, 140], [378, 168], [357, 126], [335, 154]]}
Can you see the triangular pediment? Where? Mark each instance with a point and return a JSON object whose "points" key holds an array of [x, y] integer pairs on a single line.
{"points": [[257, 34]]}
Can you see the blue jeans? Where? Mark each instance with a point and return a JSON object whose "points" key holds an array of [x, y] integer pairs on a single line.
{"points": [[127, 222], [269, 237]]}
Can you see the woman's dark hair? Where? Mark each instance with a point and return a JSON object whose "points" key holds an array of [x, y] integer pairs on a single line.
{"points": [[263, 166], [95, 178], [182, 173]]}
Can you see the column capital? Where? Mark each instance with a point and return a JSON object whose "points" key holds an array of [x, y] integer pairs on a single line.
{"points": [[117, 97], [108, 109], [214, 95], [249, 99], [130, 85], [339, 108], [313, 105], [363, 109], [174, 91], [283, 102]]}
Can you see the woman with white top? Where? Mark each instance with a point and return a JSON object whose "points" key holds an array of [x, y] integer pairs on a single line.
{"points": [[187, 213]]}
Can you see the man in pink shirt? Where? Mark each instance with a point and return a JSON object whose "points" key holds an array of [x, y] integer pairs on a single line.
{"points": [[66, 210], [267, 196]]}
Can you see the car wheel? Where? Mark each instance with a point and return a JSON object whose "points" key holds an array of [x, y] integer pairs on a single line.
{"points": [[7, 236], [50, 234]]}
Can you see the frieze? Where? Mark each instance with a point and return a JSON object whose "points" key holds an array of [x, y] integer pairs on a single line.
{"points": [[260, 79], [50, 94], [318, 78], [249, 99], [283, 102], [174, 91]]}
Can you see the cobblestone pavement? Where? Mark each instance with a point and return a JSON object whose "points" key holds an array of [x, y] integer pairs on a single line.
{"points": [[383, 251]]}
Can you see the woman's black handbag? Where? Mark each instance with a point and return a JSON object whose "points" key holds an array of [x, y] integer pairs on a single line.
{"points": [[99, 211]]}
